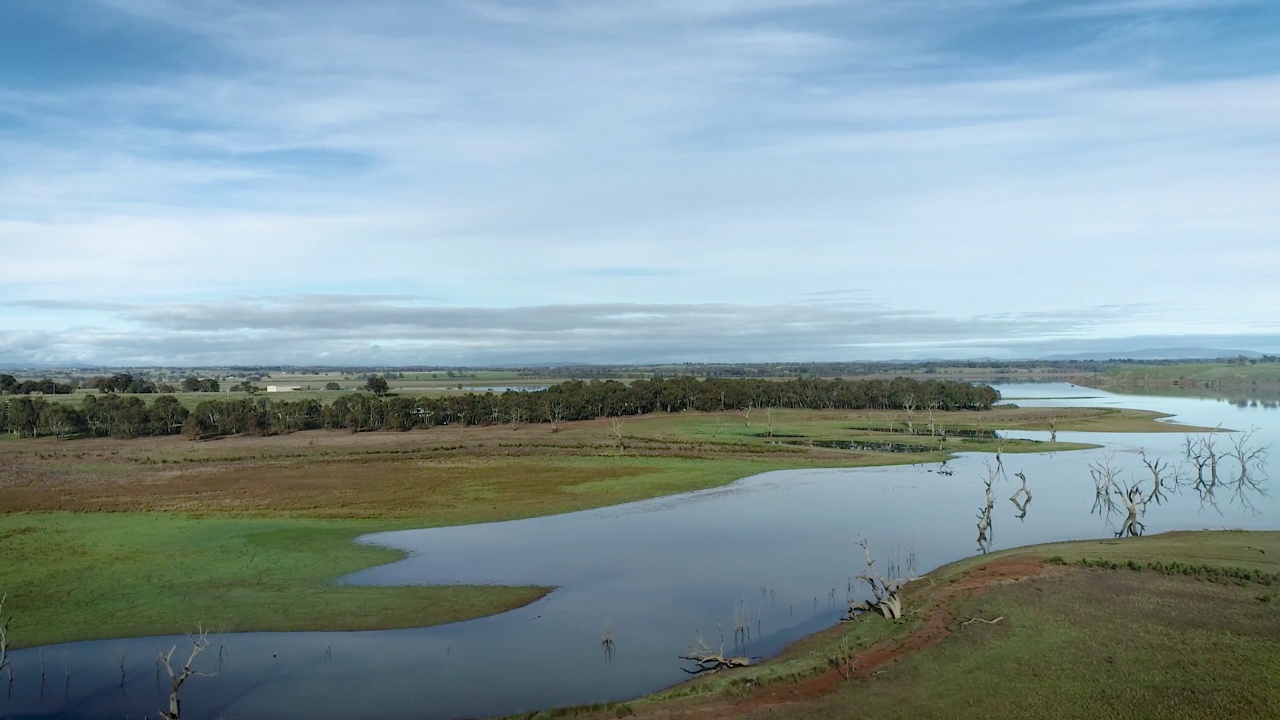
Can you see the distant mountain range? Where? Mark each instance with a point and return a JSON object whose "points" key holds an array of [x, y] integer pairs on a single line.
{"points": [[1179, 353]]}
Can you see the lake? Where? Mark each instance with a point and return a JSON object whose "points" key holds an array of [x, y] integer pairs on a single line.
{"points": [[776, 553]]}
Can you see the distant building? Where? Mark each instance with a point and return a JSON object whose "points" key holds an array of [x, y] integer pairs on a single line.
{"points": [[283, 388]]}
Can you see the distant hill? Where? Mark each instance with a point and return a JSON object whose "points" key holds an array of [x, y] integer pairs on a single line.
{"points": [[1180, 353]]}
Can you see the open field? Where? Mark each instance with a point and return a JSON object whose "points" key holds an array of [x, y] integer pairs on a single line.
{"points": [[1202, 375], [108, 537], [1126, 634]]}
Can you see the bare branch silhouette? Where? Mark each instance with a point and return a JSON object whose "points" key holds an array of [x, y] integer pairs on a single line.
{"points": [[199, 643]]}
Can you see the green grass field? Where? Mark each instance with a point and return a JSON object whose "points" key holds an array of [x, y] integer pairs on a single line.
{"points": [[109, 538], [259, 549], [1215, 374], [104, 575]]}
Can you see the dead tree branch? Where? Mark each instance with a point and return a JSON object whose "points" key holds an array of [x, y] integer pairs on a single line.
{"points": [[980, 620], [1021, 497], [615, 424], [199, 643], [555, 413], [4, 638], [1251, 460], [606, 639], [886, 592], [710, 661], [986, 533], [1159, 477], [1104, 482]]}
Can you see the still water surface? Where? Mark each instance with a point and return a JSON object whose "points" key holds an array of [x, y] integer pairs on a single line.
{"points": [[777, 550]]}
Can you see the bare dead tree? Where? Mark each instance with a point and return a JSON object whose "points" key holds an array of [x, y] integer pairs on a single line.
{"points": [[719, 424], [1108, 489], [4, 639], [1204, 457], [1211, 455], [555, 413], [1104, 480], [615, 424], [986, 533], [122, 687], [768, 420], [1207, 461], [606, 639], [745, 412], [1160, 477], [909, 407], [517, 417], [709, 661], [44, 675], [1251, 460], [932, 423], [886, 592], [1135, 505], [199, 643], [741, 626], [1021, 497]]}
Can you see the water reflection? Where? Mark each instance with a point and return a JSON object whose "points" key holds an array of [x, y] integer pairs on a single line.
{"points": [[1261, 397], [1021, 497], [1201, 454]]}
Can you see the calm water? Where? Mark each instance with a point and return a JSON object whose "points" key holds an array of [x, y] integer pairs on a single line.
{"points": [[775, 552]]}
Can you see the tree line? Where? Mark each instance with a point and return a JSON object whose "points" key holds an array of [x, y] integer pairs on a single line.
{"points": [[129, 416], [117, 383], [9, 385]]}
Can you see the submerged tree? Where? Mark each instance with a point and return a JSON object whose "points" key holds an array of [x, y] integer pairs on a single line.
{"points": [[4, 639], [1204, 469], [1251, 460], [1108, 489], [199, 643], [1021, 497], [985, 532]]}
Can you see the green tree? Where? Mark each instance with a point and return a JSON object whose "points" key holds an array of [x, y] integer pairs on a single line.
{"points": [[377, 385]]}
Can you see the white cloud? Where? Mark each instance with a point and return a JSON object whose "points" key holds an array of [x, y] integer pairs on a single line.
{"points": [[501, 154]]}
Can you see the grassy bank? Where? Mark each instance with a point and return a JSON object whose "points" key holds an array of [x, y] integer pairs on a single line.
{"points": [[1223, 376], [112, 538], [1177, 625], [77, 576]]}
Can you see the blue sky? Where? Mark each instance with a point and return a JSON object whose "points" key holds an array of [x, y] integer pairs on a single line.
{"points": [[235, 181]]}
